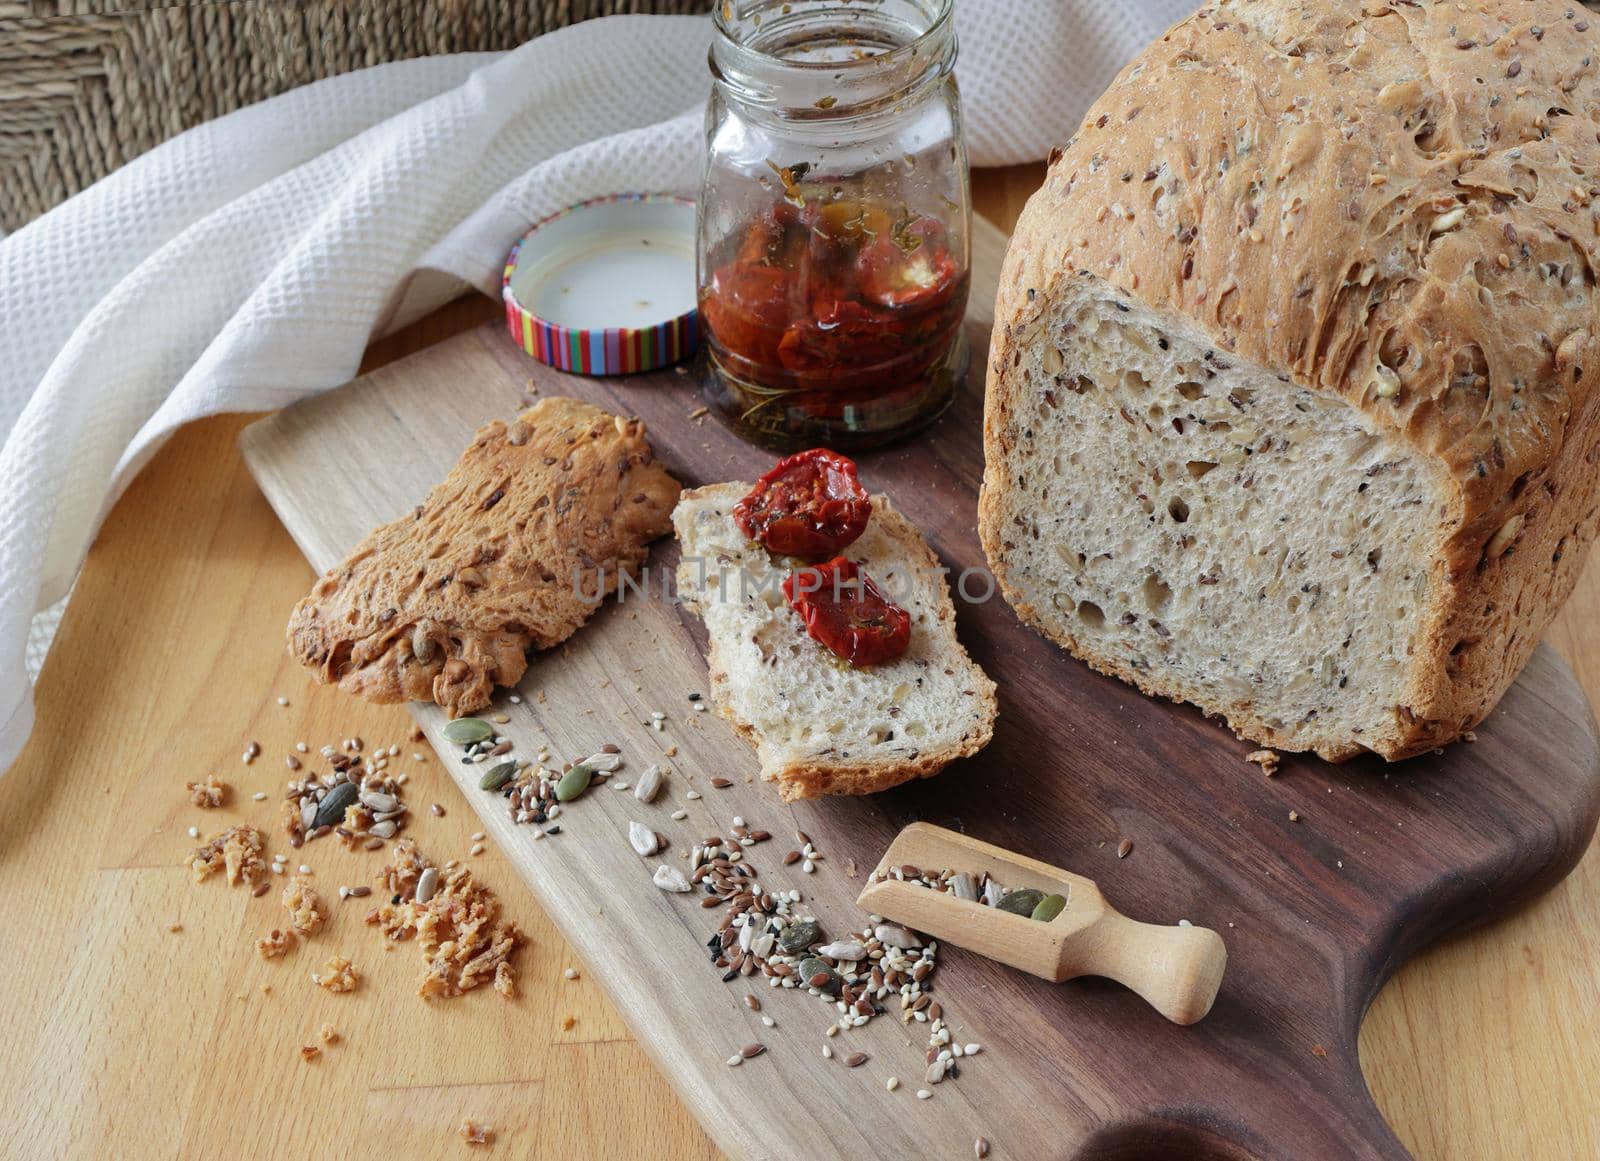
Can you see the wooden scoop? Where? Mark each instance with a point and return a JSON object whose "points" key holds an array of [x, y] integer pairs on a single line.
{"points": [[1177, 969]]}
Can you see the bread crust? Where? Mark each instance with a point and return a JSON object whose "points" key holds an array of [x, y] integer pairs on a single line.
{"points": [[513, 550], [1391, 204], [814, 779]]}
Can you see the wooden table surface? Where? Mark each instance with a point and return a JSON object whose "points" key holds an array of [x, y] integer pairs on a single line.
{"points": [[127, 1039]]}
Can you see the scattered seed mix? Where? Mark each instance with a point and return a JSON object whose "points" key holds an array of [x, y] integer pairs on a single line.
{"points": [[360, 801], [770, 934]]}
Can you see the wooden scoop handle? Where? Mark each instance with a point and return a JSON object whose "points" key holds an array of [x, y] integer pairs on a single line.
{"points": [[1177, 969]]}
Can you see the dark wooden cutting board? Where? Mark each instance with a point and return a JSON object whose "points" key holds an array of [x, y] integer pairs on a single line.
{"points": [[1316, 914]]}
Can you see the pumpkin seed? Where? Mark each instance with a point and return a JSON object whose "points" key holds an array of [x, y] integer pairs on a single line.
{"points": [[573, 783], [799, 936], [466, 731], [331, 808], [818, 974], [1048, 908], [1021, 901], [497, 776]]}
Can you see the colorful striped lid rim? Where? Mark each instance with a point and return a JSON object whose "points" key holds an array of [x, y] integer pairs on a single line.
{"points": [[607, 286]]}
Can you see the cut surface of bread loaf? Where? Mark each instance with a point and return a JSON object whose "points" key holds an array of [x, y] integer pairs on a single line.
{"points": [[820, 726], [1291, 402]]}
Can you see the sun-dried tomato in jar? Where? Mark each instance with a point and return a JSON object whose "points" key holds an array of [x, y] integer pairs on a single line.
{"points": [[834, 219]]}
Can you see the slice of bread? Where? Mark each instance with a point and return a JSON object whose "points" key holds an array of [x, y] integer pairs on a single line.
{"points": [[506, 554], [820, 726]]}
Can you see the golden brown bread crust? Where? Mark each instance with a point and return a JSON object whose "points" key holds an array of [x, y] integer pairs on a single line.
{"points": [[1396, 204], [443, 603]]}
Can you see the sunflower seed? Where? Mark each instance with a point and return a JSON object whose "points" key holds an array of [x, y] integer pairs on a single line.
{"points": [[649, 784], [427, 884], [670, 879], [382, 829], [980, 1148], [962, 887], [848, 950], [643, 839], [604, 762], [378, 802], [896, 936], [332, 807]]}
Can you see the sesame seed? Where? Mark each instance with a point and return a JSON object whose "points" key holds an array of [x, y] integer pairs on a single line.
{"points": [[283, 700], [259, 795], [194, 832], [892, 1083], [923, 1094], [304, 869], [571, 973]]}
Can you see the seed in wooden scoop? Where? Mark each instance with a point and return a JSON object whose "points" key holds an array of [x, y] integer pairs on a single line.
{"points": [[1048, 908], [1021, 901], [466, 731]]}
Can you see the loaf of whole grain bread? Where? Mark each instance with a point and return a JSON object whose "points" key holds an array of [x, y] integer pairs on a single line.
{"points": [[1291, 401]]}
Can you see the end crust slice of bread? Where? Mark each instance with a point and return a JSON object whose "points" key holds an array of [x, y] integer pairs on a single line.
{"points": [[512, 551], [820, 726]]}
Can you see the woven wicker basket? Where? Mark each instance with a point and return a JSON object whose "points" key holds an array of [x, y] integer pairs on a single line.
{"points": [[87, 84]]}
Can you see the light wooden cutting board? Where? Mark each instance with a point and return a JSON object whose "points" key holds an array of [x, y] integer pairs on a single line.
{"points": [[1316, 914]]}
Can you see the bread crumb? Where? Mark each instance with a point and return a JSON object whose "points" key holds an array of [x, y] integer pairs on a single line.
{"points": [[309, 1052], [264, 989], [274, 945], [458, 928], [475, 1134], [567, 1022], [337, 975], [207, 795], [1268, 760], [328, 1034], [174, 926], [236, 850], [304, 905], [1294, 816]]}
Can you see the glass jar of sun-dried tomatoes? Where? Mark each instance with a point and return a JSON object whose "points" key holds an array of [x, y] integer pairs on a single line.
{"points": [[833, 220]]}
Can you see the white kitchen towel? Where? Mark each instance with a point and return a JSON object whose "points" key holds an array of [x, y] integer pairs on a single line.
{"points": [[246, 263]]}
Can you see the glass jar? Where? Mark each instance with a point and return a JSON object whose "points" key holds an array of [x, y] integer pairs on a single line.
{"points": [[833, 221]]}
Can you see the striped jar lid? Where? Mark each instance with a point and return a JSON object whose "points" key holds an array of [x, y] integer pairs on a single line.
{"points": [[606, 287]]}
